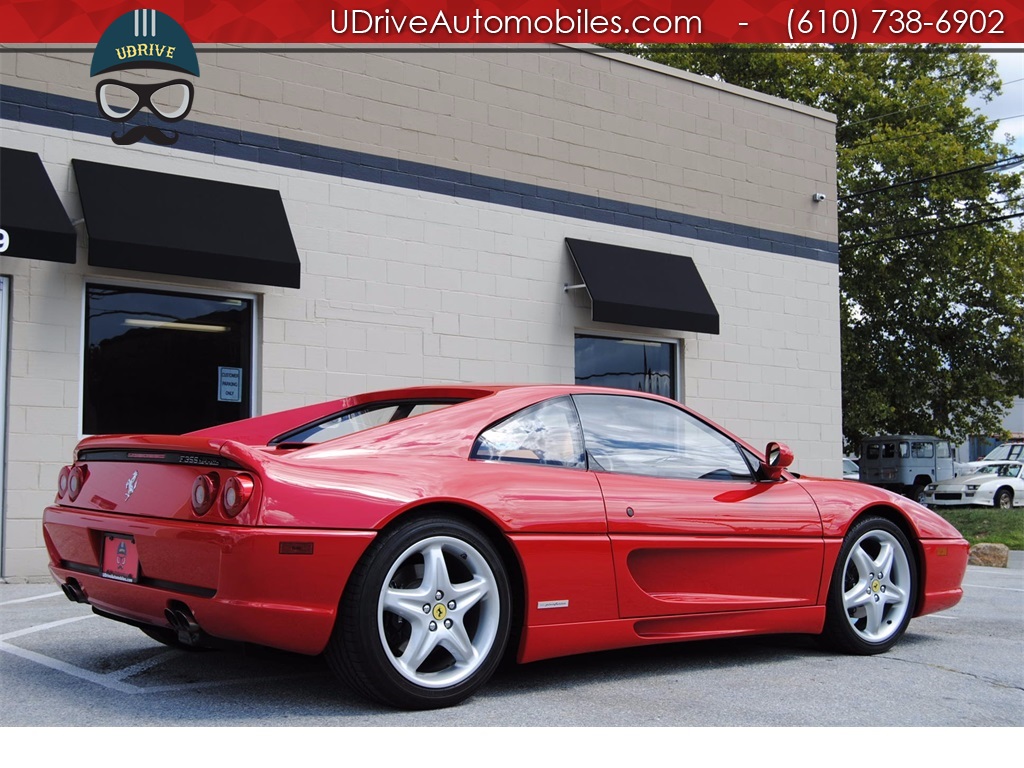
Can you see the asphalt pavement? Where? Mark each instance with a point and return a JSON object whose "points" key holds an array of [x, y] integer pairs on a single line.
{"points": [[62, 666]]}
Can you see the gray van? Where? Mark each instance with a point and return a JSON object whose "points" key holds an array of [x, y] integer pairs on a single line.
{"points": [[905, 463]]}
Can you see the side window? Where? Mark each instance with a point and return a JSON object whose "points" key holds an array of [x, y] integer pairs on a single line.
{"points": [[943, 450], [546, 433], [872, 451], [888, 450], [922, 450], [633, 435]]}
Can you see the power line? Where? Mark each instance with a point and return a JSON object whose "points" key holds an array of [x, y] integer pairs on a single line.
{"points": [[949, 208], [985, 209], [901, 136], [915, 108], [937, 230], [1007, 162]]}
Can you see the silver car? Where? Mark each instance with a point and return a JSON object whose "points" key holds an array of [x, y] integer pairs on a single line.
{"points": [[998, 484]]}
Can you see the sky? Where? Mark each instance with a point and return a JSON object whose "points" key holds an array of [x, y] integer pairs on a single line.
{"points": [[1009, 107]]}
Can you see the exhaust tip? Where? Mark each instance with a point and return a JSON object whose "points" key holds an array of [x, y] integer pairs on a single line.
{"points": [[180, 617], [73, 591]]}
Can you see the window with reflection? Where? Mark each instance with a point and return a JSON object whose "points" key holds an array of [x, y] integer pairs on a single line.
{"points": [[922, 450], [164, 362], [359, 419], [636, 436], [546, 433], [643, 366]]}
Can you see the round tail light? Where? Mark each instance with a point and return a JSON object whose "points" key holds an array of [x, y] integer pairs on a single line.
{"points": [[76, 479], [204, 493], [237, 492], [62, 482]]}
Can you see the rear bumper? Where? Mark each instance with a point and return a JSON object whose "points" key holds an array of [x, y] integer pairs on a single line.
{"points": [[278, 587]]}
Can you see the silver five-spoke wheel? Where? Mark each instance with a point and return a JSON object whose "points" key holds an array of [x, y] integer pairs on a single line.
{"points": [[873, 591], [875, 582], [426, 615], [438, 613]]}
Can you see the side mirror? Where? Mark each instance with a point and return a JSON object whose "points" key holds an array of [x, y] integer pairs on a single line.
{"points": [[777, 458]]}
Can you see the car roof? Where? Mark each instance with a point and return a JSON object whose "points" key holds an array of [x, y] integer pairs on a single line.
{"points": [[453, 429]]}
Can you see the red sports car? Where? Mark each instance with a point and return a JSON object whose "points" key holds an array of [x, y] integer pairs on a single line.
{"points": [[416, 535]]}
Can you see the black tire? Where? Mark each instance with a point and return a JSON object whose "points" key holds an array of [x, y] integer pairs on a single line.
{"points": [[873, 590], [917, 493], [1003, 498], [390, 611]]}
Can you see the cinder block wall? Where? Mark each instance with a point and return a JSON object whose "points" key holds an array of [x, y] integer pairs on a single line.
{"points": [[438, 253]]}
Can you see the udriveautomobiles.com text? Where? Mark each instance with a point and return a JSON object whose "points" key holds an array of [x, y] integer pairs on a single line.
{"points": [[362, 22]]}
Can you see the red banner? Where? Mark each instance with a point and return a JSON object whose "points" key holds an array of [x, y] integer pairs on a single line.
{"points": [[999, 22]]}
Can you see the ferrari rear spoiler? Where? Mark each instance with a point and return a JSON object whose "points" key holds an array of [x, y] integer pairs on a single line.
{"points": [[170, 449]]}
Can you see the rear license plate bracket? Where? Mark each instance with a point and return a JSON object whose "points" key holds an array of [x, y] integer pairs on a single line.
{"points": [[120, 558]]}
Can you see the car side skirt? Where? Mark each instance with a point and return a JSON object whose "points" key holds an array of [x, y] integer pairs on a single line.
{"points": [[553, 640]]}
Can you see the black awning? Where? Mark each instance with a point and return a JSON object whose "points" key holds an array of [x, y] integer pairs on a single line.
{"points": [[176, 225], [31, 214], [645, 288]]}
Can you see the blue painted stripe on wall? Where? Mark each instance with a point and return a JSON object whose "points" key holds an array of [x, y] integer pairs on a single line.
{"points": [[28, 106]]}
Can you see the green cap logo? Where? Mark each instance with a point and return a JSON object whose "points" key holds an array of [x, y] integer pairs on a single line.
{"points": [[144, 39]]}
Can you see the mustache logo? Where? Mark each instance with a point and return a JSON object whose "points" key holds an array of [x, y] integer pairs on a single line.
{"points": [[140, 132], [168, 101]]}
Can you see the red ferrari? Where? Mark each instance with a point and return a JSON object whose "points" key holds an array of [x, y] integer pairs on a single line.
{"points": [[415, 536]]}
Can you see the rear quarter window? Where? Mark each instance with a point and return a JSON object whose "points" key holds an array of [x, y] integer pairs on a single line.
{"points": [[358, 419]]}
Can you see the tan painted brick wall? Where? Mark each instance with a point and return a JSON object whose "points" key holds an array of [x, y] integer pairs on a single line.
{"points": [[576, 118], [402, 287]]}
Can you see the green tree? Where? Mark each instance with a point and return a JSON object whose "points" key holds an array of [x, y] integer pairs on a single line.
{"points": [[931, 254]]}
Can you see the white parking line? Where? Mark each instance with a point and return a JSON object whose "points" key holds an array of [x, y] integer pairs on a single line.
{"points": [[985, 586], [142, 666], [30, 599], [110, 680], [114, 680], [70, 669], [42, 627]]}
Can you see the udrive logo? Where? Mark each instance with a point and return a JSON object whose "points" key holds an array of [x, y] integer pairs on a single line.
{"points": [[133, 46]]}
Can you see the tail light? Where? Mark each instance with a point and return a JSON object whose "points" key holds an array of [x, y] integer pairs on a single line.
{"points": [[237, 492], [62, 482], [204, 493], [76, 479]]}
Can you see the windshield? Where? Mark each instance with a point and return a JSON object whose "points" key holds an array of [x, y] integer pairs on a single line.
{"points": [[1003, 470], [1005, 451]]}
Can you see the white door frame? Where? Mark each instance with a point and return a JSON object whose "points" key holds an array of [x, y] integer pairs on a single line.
{"points": [[5, 306]]}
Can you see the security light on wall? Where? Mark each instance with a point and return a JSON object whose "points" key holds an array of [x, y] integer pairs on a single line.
{"points": [[818, 197]]}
